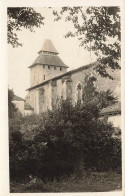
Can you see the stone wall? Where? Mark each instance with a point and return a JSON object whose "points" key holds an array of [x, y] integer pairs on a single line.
{"points": [[40, 73], [45, 97], [76, 79], [33, 100], [68, 85]]}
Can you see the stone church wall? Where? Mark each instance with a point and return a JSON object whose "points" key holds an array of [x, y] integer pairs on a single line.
{"points": [[76, 79], [33, 100], [35, 73], [44, 97], [40, 73], [68, 85]]}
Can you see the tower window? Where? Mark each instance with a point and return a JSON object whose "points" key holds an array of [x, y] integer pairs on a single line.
{"points": [[55, 67], [48, 53], [44, 77], [48, 66], [60, 68]]}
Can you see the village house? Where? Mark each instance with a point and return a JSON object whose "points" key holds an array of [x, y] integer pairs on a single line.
{"points": [[23, 108]]}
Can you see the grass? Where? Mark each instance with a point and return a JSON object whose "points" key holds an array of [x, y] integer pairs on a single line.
{"points": [[89, 182]]}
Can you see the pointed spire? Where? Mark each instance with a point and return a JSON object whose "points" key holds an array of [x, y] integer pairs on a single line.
{"points": [[48, 47]]}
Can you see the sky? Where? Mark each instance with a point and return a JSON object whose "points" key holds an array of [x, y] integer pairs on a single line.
{"points": [[20, 58]]}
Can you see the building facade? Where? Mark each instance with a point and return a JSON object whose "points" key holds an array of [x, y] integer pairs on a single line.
{"points": [[23, 108], [113, 114]]}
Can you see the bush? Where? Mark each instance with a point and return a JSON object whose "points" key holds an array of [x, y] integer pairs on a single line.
{"points": [[64, 139]]}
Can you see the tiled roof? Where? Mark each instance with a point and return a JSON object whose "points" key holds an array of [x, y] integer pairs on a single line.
{"points": [[49, 47], [113, 109], [16, 98], [27, 107], [44, 59]]}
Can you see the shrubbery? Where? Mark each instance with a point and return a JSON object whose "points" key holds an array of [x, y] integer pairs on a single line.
{"points": [[63, 140]]}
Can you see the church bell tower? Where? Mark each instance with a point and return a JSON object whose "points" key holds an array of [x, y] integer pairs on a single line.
{"points": [[47, 65]]}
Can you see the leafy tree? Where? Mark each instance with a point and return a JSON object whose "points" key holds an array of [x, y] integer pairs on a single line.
{"points": [[107, 98], [21, 17], [89, 90], [101, 98], [11, 106], [98, 30]]}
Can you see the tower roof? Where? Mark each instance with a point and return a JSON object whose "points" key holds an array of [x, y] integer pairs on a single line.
{"points": [[49, 47], [49, 60]]}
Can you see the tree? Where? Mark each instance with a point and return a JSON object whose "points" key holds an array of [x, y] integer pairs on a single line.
{"points": [[101, 98], [21, 17], [107, 98], [98, 30], [11, 106]]}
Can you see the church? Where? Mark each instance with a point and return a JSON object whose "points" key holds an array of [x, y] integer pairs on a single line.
{"points": [[50, 81]]}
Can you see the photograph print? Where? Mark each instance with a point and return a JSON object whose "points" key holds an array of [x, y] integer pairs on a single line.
{"points": [[64, 99]]}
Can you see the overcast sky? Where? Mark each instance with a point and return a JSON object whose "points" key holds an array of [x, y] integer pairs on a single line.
{"points": [[20, 58]]}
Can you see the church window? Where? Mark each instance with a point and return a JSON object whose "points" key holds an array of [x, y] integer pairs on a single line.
{"points": [[35, 102], [48, 53], [63, 94], [79, 92], [42, 91], [55, 67], [60, 68], [44, 77], [48, 66], [54, 83]]}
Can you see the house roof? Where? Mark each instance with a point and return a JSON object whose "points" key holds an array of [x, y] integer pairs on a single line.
{"points": [[44, 59], [27, 107], [17, 98], [49, 47], [113, 109]]}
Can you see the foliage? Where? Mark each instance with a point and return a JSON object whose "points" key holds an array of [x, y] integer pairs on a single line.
{"points": [[98, 30], [107, 98], [29, 126], [89, 91], [21, 17], [85, 182], [65, 138], [11, 106], [101, 98]]}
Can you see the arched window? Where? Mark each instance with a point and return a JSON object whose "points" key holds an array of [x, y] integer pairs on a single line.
{"points": [[78, 92], [63, 95], [35, 102]]}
